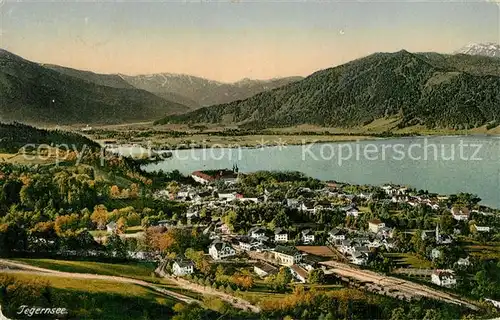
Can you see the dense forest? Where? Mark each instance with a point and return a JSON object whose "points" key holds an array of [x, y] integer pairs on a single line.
{"points": [[438, 91], [16, 135]]}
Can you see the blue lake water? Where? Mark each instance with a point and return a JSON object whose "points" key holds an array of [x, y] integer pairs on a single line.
{"points": [[439, 164]]}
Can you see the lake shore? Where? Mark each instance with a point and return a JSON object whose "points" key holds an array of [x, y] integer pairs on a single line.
{"points": [[178, 137], [348, 162]]}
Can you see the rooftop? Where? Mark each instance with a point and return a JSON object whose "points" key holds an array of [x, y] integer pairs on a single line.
{"points": [[291, 251], [375, 221], [266, 267], [300, 271]]}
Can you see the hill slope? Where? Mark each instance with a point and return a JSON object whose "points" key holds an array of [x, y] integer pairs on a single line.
{"points": [[430, 89], [197, 92], [32, 93], [15, 135], [109, 80]]}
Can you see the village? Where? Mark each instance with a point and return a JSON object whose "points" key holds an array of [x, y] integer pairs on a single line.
{"points": [[258, 242], [346, 226]]}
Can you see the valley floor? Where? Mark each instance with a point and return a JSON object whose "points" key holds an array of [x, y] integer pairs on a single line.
{"points": [[199, 136]]}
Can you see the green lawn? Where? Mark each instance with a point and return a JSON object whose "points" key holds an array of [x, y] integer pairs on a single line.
{"points": [[99, 233], [403, 260], [164, 283], [136, 270], [256, 297], [490, 250], [100, 299], [134, 229]]}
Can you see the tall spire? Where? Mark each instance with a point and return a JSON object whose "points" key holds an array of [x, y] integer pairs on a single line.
{"points": [[437, 233]]}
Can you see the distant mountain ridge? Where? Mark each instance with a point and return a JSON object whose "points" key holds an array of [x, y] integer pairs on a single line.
{"points": [[488, 49], [32, 93], [197, 92], [51, 94], [428, 89]]}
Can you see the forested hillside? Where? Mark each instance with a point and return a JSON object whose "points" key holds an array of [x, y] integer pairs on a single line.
{"points": [[32, 93], [14, 136], [429, 89]]}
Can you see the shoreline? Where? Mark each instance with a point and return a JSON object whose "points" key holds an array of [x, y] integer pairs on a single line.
{"points": [[196, 146]]}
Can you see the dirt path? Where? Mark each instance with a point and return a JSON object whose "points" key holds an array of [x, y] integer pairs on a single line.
{"points": [[16, 267], [391, 284], [235, 301]]}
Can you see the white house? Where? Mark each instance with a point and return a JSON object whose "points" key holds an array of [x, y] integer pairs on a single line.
{"points": [[308, 207], [219, 250], [346, 247], [495, 303], [307, 236], [205, 177], [436, 253], [191, 214], [257, 233], [336, 235], [287, 256], [227, 196], [182, 267], [375, 225], [464, 262], [460, 214], [111, 227], [292, 203], [352, 212], [482, 228], [280, 235], [388, 189], [359, 258], [365, 195], [394, 190], [444, 278], [247, 243]]}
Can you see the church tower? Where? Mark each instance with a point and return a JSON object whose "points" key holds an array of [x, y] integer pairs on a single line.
{"points": [[438, 238]]}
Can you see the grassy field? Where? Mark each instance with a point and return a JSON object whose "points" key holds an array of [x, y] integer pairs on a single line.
{"points": [[99, 299], [490, 250], [175, 135], [134, 270], [18, 158], [140, 271], [403, 260], [165, 283]]}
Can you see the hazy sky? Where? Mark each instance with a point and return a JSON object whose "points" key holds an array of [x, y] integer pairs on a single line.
{"points": [[230, 41]]}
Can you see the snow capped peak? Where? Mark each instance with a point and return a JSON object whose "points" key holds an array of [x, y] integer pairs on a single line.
{"points": [[488, 49]]}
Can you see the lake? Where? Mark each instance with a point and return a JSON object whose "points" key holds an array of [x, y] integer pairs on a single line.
{"points": [[444, 165]]}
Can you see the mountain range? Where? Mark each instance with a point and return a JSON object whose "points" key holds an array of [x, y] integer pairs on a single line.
{"points": [[435, 90], [51, 94], [431, 89], [196, 92], [33, 93], [488, 49]]}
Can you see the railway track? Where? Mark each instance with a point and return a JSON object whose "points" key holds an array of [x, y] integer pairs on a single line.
{"points": [[393, 286]]}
